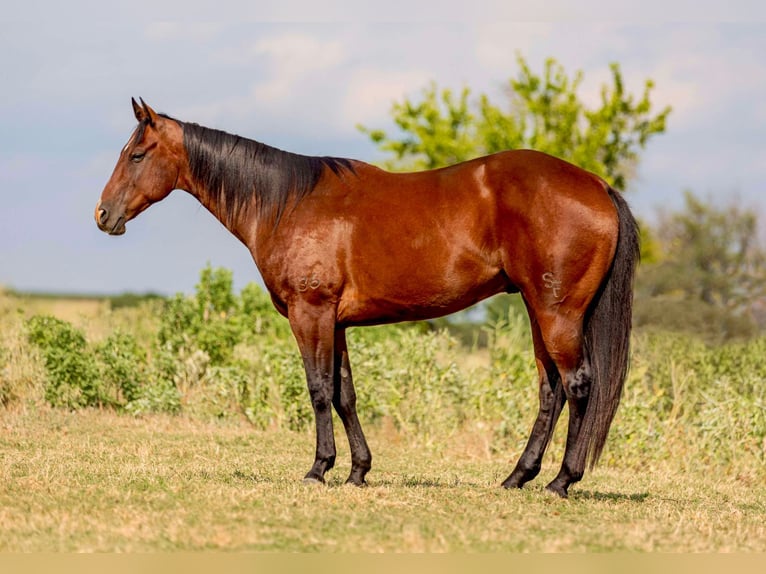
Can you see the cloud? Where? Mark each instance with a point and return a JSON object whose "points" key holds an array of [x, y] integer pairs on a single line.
{"points": [[288, 75], [171, 31], [710, 72], [309, 85], [577, 46], [498, 44], [371, 92], [294, 60]]}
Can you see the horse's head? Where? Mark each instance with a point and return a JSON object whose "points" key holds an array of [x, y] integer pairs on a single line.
{"points": [[147, 170]]}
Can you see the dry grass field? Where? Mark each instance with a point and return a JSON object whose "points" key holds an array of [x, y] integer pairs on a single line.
{"points": [[94, 481], [684, 469]]}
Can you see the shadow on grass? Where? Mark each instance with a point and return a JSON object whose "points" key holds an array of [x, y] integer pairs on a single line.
{"points": [[608, 496], [413, 481], [410, 481]]}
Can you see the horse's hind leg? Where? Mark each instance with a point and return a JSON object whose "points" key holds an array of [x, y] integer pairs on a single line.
{"points": [[577, 386], [552, 400], [564, 341], [344, 400]]}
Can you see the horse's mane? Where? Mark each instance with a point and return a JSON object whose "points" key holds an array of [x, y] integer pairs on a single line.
{"points": [[237, 170]]}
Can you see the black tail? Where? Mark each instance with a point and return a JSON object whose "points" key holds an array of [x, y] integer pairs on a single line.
{"points": [[607, 336]]}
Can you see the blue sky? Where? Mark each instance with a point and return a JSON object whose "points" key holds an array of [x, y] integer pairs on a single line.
{"points": [[68, 78]]}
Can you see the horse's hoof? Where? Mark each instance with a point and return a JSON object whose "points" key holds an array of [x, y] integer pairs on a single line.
{"points": [[510, 484], [519, 477], [559, 491], [312, 481]]}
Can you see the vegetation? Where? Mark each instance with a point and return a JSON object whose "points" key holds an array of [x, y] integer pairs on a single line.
{"points": [[543, 112], [709, 273]]}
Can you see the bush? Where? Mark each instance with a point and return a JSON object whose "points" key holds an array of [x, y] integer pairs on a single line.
{"points": [[693, 404], [122, 366], [113, 374], [276, 394], [405, 376], [73, 376], [215, 320]]}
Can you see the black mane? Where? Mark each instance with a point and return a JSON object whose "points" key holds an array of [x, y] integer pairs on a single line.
{"points": [[238, 171]]}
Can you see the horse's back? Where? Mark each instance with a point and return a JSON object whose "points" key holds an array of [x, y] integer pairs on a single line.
{"points": [[524, 181], [424, 244], [514, 202]]}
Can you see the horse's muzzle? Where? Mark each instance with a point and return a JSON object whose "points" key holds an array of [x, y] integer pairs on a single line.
{"points": [[108, 223]]}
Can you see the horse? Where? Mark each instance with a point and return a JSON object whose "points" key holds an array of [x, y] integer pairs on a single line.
{"points": [[340, 243]]}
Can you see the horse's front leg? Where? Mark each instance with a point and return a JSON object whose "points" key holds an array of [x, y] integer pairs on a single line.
{"points": [[314, 330], [344, 400]]}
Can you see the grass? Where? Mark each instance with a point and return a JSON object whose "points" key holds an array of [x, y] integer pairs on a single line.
{"points": [[684, 469], [73, 308], [94, 481]]}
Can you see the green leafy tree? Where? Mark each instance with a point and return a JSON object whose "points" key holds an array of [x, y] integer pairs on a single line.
{"points": [[711, 276], [542, 112]]}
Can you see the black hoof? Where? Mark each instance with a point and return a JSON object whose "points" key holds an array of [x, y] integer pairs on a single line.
{"points": [[519, 478], [313, 480], [558, 490], [510, 483]]}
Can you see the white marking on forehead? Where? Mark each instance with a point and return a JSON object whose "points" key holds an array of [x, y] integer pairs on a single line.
{"points": [[130, 141]]}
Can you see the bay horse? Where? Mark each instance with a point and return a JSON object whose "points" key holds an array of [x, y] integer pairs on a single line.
{"points": [[340, 243]]}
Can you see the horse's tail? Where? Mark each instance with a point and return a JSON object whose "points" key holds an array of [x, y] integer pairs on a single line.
{"points": [[607, 336]]}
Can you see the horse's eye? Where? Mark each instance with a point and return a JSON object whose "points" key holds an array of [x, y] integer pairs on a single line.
{"points": [[137, 156]]}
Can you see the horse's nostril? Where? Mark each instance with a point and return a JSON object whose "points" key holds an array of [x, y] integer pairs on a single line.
{"points": [[102, 215]]}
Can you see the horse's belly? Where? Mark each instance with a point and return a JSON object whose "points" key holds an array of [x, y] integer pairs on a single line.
{"points": [[417, 295]]}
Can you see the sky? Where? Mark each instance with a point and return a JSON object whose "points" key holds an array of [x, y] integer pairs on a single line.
{"points": [[70, 69]]}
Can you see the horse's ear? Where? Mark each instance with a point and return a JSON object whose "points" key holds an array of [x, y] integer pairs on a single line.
{"points": [[137, 110], [143, 112], [150, 113]]}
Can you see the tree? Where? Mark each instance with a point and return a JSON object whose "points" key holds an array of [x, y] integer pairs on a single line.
{"points": [[710, 277], [542, 112]]}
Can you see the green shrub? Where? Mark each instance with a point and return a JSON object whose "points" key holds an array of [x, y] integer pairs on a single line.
{"points": [[693, 404], [73, 375], [156, 398], [258, 318], [407, 377], [131, 300], [122, 366], [159, 391], [211, 321], [277, 395], [115, 373]]}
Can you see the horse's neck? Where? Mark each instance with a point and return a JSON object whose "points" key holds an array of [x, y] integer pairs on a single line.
{"points": [[242, 227]]}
